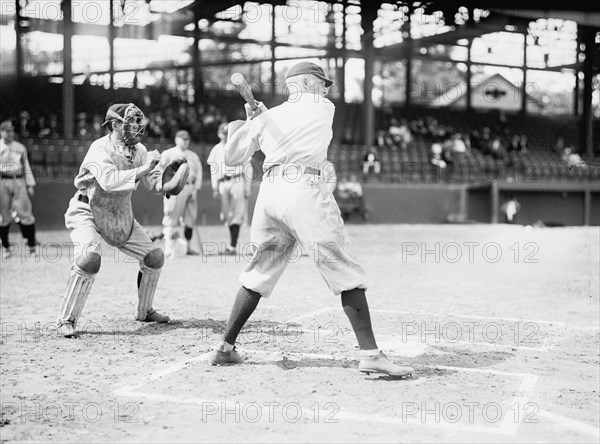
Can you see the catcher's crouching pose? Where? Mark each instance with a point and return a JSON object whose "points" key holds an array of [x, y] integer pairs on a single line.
{"points": [[101, 209]]}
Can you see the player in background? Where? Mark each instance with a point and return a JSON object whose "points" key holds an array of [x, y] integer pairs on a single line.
{"points": [[101, 209], [295, 207], [184, 206], [232, 185], [16, 189]]}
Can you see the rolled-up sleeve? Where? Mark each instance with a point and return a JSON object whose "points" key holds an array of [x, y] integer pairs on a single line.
{"points": [[102, 168]]}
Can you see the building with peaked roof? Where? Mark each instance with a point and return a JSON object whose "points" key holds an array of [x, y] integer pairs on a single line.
{"points": [[494, 92]]}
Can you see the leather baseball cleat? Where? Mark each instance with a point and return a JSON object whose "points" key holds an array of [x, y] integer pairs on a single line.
{"points": [[381, 364], [218, 357], [154, 316], [66, 329]]}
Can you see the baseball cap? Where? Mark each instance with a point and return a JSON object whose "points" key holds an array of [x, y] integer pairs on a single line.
{"points": [[116, 111], [183, 134], [309, 68], [6, 126]]}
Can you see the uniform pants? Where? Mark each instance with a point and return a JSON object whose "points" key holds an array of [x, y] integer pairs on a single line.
{"points": [[292, 211], [233, 201], [13, 195], [182, 207]]}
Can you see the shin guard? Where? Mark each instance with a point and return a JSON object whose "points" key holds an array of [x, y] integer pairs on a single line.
{"points": [[146, 290], [78, 289]]}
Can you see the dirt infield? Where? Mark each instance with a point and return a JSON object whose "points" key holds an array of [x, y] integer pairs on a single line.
{"points": [[500, 323]]}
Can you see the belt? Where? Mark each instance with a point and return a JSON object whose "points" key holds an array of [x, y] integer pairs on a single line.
{"points": [[292, 169], [11, 176], [225, 178], [83, 198]]}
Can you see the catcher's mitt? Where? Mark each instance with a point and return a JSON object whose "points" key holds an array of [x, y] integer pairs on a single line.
{"points": [[174, 175]]}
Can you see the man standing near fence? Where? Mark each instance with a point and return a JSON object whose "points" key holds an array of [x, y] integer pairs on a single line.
{"points": [[182, 208], [16, 189], [232, 185]]}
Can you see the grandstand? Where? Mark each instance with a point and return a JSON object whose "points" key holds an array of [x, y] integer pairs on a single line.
{"points": [[365, 46]]}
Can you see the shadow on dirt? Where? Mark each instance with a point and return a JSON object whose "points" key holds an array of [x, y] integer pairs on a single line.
{"points": [[204, 326]]}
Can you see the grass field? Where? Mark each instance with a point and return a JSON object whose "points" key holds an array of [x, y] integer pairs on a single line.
{"points": [[500, 323]]}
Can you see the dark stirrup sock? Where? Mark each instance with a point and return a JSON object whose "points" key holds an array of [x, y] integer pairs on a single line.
{"points": [[28, 232], [356, 308], [4, 236], [234, 231], [244, 305], [187, 233]]}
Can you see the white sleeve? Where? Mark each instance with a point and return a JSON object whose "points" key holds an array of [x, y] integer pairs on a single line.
{"points": [[243, 143], [101, 167]]}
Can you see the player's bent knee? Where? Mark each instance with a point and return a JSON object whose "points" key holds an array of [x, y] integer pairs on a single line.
{"points": [[89, 262], [154, 259]]}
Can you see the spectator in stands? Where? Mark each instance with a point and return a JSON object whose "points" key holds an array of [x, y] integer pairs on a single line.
{"points": [[82, 129], [524, 143], [572, 159], [97, 130], [383, 140], [509, 209], [515, 144], [347, 137], [399, 133], [475, 140], [24, 125], [43, 129], [371, 163], [485, 139], [496, 149], [156, 124], [559, 145], [458, 148], [350, 197], [55, 128], [436, 156]]}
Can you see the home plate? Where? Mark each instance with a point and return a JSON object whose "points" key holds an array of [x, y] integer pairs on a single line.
{"points": [[410, 348]]}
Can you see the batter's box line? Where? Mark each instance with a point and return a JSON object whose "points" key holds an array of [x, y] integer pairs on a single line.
{"points": [[506, 427]]}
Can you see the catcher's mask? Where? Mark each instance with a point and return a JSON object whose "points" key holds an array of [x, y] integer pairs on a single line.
{"points": [[133, 123]]}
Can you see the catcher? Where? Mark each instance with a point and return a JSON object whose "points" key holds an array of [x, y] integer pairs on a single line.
{"points": [[101, 209]]}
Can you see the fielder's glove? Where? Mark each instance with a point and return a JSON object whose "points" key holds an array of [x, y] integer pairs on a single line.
{"points": [[174, 173]]}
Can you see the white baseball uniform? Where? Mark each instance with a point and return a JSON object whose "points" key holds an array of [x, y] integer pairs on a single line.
{"points": [[98, 167], [232, 183], [184, 206], [15, 177], [294, 205]]}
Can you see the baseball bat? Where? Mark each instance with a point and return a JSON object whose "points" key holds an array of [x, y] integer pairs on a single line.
{"points": [[244, 89]]}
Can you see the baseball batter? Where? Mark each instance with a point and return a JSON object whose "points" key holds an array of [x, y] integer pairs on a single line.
{"points": [[184, 206], [101, 209], [232, 185], [16, 188], [295, 206]]}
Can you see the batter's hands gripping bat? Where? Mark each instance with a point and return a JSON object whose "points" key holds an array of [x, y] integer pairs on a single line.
{"points": [[244, 89]]}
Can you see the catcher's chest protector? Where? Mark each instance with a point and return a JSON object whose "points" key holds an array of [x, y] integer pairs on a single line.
{"points": [[112, 211]]}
